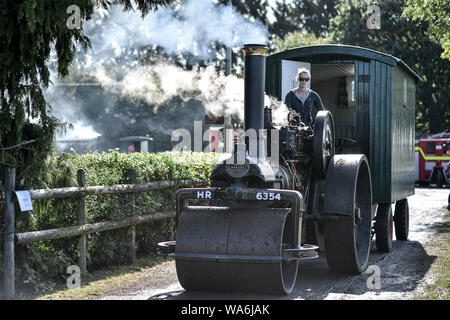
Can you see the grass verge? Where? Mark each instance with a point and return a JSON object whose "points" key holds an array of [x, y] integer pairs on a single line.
{"points": [[111, 281], [440, 288]]}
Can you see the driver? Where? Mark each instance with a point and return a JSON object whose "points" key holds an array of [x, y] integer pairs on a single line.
{"points": [[302, 99]]}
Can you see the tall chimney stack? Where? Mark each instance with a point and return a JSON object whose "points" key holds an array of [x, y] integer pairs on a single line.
{"points": [[254, 85]]}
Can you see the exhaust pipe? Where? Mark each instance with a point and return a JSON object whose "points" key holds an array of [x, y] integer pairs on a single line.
{"points": [[254, 86]]}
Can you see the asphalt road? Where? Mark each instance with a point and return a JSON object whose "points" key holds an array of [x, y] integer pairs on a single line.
{"points": [[404, 271]]}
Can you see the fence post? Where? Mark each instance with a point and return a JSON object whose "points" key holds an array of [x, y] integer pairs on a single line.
{"points": [[132, 229], [8, 254], [81, 179]]}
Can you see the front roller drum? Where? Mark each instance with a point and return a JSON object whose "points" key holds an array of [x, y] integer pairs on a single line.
{"points": [[234, 249]]}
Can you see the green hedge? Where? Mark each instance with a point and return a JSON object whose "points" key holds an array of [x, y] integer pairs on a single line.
{"points": [[41, 264]]}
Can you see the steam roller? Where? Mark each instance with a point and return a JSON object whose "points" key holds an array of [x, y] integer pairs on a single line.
{"points": [[281, 196]]}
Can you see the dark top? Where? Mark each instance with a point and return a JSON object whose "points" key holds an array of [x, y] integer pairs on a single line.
{"points": [[304, 109]]}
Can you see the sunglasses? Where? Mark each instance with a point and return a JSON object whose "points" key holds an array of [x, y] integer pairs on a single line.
{"points": [[303, 79]]}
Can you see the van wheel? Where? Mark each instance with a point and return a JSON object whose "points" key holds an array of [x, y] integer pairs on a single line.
{"points": [[383, 227], [401, 219], [440, 179]]}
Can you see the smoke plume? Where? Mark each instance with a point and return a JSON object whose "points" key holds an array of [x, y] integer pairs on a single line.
{"points": [[128, 97], [188, 28]]}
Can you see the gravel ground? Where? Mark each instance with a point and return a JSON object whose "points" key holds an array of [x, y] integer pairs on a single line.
{"points": [[405, 271]]}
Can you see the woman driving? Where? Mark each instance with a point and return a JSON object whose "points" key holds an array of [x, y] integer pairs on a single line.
{"points": [[302, 99]]}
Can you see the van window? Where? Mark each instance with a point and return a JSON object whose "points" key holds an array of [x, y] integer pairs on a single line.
{"points": [[431, 148]]}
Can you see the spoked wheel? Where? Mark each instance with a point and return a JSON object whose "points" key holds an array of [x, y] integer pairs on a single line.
{"points": [[401, 219], [384, 227], [323, 143], [347, 210], [234, 249]]}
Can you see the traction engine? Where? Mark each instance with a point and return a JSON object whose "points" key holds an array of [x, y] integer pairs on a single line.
{"points": [[282, 196]]}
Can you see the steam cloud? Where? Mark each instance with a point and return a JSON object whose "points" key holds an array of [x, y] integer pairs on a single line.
{"points": [[190, 27], [220, 95], [119, 39]]}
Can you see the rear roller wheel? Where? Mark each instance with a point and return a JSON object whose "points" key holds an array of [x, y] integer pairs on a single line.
{"points": [[234, 249], [347, 210]]}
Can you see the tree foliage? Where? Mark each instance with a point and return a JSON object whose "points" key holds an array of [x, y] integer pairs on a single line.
{"points": [[405, 39], [437, 14], [32, 33], [256, 9], [297, 15], [298, 39], [144, 6]]}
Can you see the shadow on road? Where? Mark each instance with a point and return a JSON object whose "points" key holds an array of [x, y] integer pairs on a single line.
{"points": [[441, 227], [401, 271]]}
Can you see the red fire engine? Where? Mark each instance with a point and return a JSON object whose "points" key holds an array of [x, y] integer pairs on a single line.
{"points": [[432, 161]]}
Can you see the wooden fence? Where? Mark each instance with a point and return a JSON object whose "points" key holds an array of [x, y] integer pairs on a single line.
{"points": [[82, 229]]}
